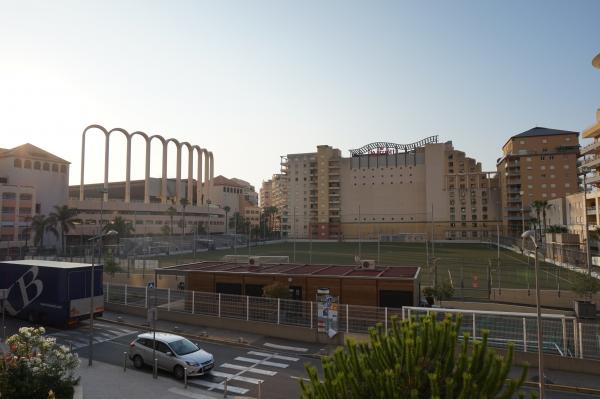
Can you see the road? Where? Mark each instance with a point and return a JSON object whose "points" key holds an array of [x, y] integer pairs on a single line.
{"points": [[277, 367], [278, 364]]}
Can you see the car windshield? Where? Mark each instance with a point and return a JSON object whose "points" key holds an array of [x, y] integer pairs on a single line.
{"points": [[183, 347]]}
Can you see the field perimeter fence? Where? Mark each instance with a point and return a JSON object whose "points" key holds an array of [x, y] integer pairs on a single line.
{"points": [[563, 335]]}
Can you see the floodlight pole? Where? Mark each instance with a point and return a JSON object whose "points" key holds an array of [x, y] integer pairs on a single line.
{"points": [[540, 332]]}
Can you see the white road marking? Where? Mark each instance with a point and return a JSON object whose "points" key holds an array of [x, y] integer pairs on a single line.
{"points": [[220, 387], [272, 356], [299, 378], [283, 347], [249, 369], [235, 377], [261, 362], [183, 392]]}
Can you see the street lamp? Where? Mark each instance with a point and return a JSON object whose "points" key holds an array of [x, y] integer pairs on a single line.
{"points": [[94, 240], [531, 234]]}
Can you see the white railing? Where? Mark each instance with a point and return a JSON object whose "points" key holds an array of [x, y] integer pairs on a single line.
{"points": [[562, 335]]}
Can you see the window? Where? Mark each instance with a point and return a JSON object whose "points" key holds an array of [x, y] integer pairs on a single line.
{"points": [[27, 164], [63, 168], [46, 166], [25, 211], [9, 196], [25, 197], [8, 209], [17, 163], [37, 165]]}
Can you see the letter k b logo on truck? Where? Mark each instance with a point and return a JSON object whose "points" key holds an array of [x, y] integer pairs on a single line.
{"points": [[24, 291]]}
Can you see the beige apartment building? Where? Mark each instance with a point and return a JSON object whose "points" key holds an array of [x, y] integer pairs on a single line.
{"points": [[409, 191], [538, 164], [32, 182], [274, 193]]}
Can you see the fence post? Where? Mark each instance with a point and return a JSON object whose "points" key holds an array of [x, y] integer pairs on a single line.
{"points": [[386, 320], [193, 301], [168, 299], [575, 338], [564, 334], [311, 315], [474, 327], [347, 319], [219, 305], [107, 292], [125, 294], [580, 333], [278, 309], [524, 334], [247, 308]]}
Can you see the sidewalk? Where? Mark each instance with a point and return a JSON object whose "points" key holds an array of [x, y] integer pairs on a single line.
{"points": [[106, 381], [212, 334]]}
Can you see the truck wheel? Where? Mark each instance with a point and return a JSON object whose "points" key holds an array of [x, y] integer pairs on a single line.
{"points": [[179, 372], [138, 362]]}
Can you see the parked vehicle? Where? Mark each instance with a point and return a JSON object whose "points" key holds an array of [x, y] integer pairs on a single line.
{"points": [[52, 293], [174, 354]]}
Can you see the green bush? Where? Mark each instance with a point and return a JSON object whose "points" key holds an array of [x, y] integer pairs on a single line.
{"points": [[415, 360]]}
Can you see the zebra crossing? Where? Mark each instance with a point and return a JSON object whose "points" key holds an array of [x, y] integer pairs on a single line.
{"points": [[245, 372], [103, 332]]}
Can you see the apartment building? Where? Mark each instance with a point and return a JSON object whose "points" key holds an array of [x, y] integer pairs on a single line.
{"points": [[273, 193], [265, 194], [32, 182], [419, 189], [538, 164]]}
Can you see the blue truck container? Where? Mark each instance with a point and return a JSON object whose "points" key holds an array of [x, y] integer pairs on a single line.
{"points": [[51, 293]]}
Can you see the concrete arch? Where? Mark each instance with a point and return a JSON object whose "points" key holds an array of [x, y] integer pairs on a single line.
{"points": [[147, 166], [106, 161], [163, 179], [178, 167], [205, 193], [190, 178], [212, 174], [199, 199], [82, 177]]}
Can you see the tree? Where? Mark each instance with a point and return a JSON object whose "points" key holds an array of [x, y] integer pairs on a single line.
{"points": [[537, 206], [415, 359], [276, 290], [123, 227], [40, 224], [226, 209], [545, 207], [63, 218], [171, 212], [585, 286], [184, 203], [165, 229]]}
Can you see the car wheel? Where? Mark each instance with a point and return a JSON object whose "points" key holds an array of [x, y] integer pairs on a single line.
{"points": [[138, 362], [179, 372]]}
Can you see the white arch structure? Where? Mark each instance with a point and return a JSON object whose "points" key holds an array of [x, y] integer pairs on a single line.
{"points": [[202, 190]]}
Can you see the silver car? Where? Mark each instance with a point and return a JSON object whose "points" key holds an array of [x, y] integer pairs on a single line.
{"points": [[174, 354]]}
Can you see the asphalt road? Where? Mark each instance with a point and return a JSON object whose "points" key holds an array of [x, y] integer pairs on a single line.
{"points": [[278, 364], [243, 367]]}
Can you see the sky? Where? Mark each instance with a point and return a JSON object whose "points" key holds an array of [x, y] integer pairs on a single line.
{"points": [[253, 80]]}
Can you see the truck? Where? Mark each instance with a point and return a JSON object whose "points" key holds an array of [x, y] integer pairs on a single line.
{"points": [[51, 293]]}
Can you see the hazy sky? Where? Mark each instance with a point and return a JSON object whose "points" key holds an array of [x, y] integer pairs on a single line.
{"points": [[253, 80]]}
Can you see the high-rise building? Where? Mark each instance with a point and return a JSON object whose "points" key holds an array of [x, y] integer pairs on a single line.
{"points": [[32, 182], [405, 190], [539, 164]]}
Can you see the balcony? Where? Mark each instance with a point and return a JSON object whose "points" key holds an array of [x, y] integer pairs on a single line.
{"points": [[590, 148], [591, 162], [591, 210], [593, 178]]}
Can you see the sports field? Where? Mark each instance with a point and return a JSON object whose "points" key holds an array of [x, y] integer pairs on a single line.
{"points": [[468, 266]]}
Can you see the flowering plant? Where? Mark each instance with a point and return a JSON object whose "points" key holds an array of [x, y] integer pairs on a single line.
{"points": [[36, 366]]}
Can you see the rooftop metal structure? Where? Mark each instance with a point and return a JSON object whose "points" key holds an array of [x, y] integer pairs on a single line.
{"points": [[381, 147]]}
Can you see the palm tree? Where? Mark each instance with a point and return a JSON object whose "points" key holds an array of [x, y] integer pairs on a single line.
{"points": [[63, 218], [171, 212], [226, 209], [537, 205], [545, 207], [40, 224]]}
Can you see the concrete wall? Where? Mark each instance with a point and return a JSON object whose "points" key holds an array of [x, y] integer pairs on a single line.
{"points": [[548, 298], [142, 280]]}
